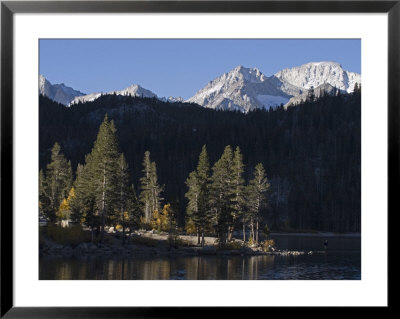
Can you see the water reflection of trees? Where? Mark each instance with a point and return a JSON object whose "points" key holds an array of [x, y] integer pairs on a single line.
{"points": [[64, 271], [190, 268], [211, 268]]}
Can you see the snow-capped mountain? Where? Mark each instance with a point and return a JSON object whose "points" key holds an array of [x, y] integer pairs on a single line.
{"points": [[133, 90], [315, 74], [58, 92], [245, 89], [242, 89]]}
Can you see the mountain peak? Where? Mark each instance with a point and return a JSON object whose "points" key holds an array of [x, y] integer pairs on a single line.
{"points": [[239, 68], [132, 90], [314, 74], [242, 89], [58, 92], [243, 69], [134, 86]]}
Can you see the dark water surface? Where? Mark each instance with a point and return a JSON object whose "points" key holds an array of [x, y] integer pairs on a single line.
{"points": [[342, 260]]}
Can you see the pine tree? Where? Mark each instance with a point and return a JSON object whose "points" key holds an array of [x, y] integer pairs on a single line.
{"points": [[150, 190], [103, 171], [257, 198], [222, 194], [192, 209], [83, 205], [198, 208], [203, 177], [156, 189], [58, 180], [44, 200], [239, 191], [123, 193], [145, 187]]}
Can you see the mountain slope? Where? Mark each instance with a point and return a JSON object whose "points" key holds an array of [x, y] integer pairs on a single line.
{"points": [[323, 89], [242, 89], [57, 92], [315, 74]]}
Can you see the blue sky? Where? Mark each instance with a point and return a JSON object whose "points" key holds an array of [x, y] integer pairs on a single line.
{"points": [[179, 67]]}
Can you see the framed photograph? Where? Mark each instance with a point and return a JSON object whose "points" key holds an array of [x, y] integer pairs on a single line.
{"points": [[159, 155]]}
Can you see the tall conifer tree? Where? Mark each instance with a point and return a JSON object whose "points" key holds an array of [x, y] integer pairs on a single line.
{"points": [[58, 180], [193, 196], [198, 195], [156, 189], [222, 194], [257, 198], [103, 171], [83, 205], [123, 193], [203, 177], [150, 190], [238, 190], [145, 187]]}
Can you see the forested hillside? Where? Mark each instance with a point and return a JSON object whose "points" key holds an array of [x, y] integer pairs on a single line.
{"points": [[311, 152]]}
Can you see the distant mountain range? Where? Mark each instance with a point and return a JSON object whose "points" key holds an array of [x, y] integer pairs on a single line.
{"points": [[241, 89], [247, 89], [68, 96], [133, 90]]}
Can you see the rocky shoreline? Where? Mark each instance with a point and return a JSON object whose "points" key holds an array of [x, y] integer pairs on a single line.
{"points": [[131, 250]]}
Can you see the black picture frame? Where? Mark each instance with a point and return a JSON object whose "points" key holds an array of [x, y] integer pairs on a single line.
{"points": [[9, 8]]}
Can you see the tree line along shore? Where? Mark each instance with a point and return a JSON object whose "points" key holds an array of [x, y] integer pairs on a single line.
{"points": [[101, 196]]}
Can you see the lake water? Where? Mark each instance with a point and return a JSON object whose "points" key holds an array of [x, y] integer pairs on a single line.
{"points": [[342, 260]]}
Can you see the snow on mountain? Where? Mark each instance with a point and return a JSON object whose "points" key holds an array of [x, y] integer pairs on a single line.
{"points": [[314, 74], [133, 90], [245, 89], [171, 99], [242, 89], [85, 98], [58, 92]]}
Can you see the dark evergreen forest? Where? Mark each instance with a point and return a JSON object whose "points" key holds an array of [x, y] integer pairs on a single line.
{"points": [[311, 152]]}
